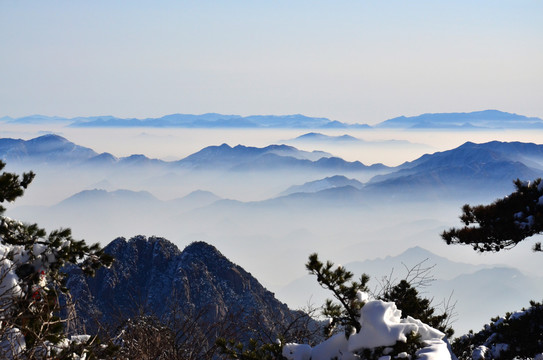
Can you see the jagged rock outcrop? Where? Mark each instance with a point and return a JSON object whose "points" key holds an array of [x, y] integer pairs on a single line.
{"points": [[151, 276]]}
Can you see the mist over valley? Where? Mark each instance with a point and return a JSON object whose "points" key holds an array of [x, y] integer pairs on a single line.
{"points": [[268, 203], [291, 180]]}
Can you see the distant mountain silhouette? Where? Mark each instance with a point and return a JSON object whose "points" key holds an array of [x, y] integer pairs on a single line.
{"points": [[36, 119], [312, 136], [195, 199], [323, 184], [487, 119], [379, 268], [487, 293], [487, 169], [338, 196], [225, 156], [104, 159], [464, 169], [118, 211], [140, 160], [56, 150], [44, 149], [135, 202], [442, 268], [107, 199], [480, 291], [213, 120], [267, 158]]}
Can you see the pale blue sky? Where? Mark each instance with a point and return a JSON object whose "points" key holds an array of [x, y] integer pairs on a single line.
{"points": [[353, 61]]}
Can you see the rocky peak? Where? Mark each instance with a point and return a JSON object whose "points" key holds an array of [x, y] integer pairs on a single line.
{"points": [[203, 251], [152, 276], [142, 245]]}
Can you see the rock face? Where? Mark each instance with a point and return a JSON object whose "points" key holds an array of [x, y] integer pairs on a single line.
{"points": [[151, 276]]}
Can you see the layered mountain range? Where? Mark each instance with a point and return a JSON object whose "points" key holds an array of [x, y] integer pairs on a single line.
{"points": [[209, 120], [106, 190], [487, 119], [314, 202], [455, 172], [50, 149], [470, 166]]}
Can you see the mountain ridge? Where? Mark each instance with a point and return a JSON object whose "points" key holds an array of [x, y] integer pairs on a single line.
{"points": [[152, 275], [484, 119], [45, 149], [449, 173], [57, 149], [468, 166], [214, 120], [323, 184]]}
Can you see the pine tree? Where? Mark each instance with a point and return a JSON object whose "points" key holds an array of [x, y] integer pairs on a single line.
{"points": [[346, 291], [32, 282], [254, 350], [344, 314], [516, 335], [504, 223]]}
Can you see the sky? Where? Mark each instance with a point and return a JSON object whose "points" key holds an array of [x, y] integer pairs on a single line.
{"points": [[352, 61]]}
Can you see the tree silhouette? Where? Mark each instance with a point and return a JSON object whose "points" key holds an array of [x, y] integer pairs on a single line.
{"points": [[504, 223], [33, 295]]}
